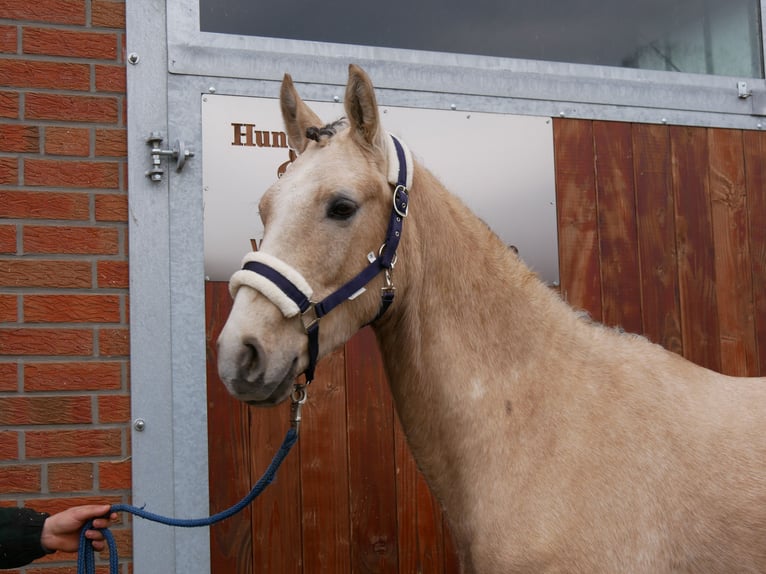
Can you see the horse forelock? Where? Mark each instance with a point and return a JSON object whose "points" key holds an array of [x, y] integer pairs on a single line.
{"points": [[322, 134]]}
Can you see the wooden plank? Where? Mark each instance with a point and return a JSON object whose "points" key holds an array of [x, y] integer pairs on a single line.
{"points": [[228, 448], [276, 514], [694, 243], [577, 215], [324, 470], [421, 536], [620, 277], [734, 283], [372, 490], [661, 316], [755, 166], [451, 560]]}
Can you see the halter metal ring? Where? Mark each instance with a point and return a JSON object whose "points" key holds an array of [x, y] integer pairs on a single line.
{"points": [[396, 207], [396, 255]]}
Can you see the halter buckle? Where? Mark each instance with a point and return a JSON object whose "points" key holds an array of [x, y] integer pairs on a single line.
{"points": [[309, 317], [404, 209]]}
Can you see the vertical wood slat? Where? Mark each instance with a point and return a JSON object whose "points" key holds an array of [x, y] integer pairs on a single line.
{"points": [[620, 280], [231, 541], [732, 252], [656, 236], [276, 516], [694, 241], [755, 166], [324, 470], [372, 490], [579, 265], [421, 539]]}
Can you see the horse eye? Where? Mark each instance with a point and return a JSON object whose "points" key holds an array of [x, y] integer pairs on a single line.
{"points": [[341, 209]]}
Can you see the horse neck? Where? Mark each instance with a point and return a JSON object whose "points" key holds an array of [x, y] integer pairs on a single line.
{"points": [[462, 291], [469, 325]]}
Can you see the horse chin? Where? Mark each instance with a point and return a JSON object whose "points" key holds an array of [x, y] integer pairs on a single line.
{"points": [[280, 393]]}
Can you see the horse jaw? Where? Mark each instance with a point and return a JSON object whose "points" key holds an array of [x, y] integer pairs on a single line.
{"points": [[259, 367]]}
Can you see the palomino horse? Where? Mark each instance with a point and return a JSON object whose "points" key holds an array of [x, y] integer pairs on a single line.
{"points": [[554, 444]]}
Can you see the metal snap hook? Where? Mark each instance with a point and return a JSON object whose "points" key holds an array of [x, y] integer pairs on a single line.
{"points": [[298, 399]]}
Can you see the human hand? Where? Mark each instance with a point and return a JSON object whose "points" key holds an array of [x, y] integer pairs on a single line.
{"points": [[61, 531]]}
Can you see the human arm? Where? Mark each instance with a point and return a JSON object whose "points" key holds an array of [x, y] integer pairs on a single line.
{"points": [[20, 530], [26, 535]]}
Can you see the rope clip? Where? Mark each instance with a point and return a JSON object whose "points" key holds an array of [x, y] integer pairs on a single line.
{"points": [[297, 398]]}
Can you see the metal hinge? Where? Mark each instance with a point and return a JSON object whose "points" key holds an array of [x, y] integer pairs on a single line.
{"points": [[179, 153]]}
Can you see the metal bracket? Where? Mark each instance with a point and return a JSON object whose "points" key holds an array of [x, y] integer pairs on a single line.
{"points": [[179, 153]]}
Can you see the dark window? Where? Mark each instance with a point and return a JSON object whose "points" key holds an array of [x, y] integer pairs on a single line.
{"points": [[695, 36]]}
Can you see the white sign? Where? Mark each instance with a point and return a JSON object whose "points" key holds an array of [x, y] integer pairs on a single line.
{"points": [[500, 165]]}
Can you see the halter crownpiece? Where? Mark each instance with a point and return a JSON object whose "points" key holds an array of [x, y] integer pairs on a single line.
{"points": [[286, 287]]}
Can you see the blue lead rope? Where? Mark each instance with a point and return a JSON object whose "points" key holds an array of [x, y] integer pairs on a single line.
{"points": [[86, 558]]}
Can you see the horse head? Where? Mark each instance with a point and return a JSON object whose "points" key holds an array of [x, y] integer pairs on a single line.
{"points": [[325, 222]]}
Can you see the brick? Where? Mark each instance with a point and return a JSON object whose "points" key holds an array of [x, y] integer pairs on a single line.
{"points": [[108, 14], [16, 272], [7, 239], [72, 174], [78, 376], [70, 477], [20, 478], [9, 105], [19, 138], [69, 43], [39, 410], [51, 11], [9, 309], [114, 475], [56, 342], [8, 39], [48, 75], [112, 274], [112, 143], [114, 342], [67, 141], [44, 205], [9, 445], [111, 79], [113, 408], [71, 108], [9, 170], [112, 207], [8, 377], [73, 443], [72, 308], [72, 240]]}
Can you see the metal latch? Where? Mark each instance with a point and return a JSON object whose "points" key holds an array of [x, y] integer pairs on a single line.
{"points": [[179, 153]]}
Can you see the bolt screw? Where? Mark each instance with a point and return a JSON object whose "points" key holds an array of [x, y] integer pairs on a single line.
{"points": [[139, 424], [133, 58]]}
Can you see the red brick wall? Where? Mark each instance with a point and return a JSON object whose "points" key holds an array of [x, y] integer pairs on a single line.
{"points": [[64, 365]]}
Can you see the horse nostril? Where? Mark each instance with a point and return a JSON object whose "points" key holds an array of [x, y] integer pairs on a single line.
{"points": [[251, 358], [250, 361]]}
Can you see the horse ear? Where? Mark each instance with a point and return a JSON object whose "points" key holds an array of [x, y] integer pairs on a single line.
{"points": [[362, 108], [296, 115]]}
